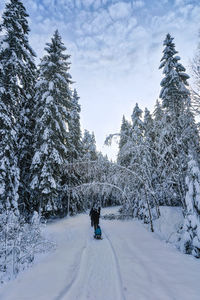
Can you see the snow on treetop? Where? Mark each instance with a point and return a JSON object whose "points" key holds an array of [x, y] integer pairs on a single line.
{"points": [[51, 85], [49, 99]]}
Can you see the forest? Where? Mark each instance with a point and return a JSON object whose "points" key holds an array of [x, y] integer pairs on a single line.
{"points": [[50, 169]]}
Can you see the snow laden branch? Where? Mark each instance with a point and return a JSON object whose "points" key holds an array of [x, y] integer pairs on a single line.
{"points": [[110, 138], [112, 176], [91, 184]]}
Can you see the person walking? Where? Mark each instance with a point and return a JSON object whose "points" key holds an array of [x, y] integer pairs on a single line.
{"points": [[92, 216], [96, 215]]}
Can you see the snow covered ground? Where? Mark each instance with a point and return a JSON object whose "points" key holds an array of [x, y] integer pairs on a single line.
{"points": [[129, 263]]}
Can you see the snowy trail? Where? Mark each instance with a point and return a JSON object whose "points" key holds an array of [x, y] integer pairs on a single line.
{"points": [[98, 277], [130, 263]]}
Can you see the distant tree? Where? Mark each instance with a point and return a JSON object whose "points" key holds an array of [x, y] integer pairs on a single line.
{"points": [[51, 137], [75, 128], [89, 146], [124, 154], [149, 137]]}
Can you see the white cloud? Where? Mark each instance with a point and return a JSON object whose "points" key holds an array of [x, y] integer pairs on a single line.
{"points": [[138, 3], [94, 23], [104, 2], [46, 2], [120, 10], [33, 5], [185, 10], [179, 2], [87, 43], [87, 3], [78, 3], [97, 4]]}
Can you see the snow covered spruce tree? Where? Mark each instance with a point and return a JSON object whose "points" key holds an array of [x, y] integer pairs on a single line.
{"points": [[9, 171], [174, 95], [149, 208], [71, 172], [190, 242], [158, 127], [124, 155], [88, 166], [89, 146], [75, 128], [195, 66], [136, 151], [18, 74], [51, 145]]}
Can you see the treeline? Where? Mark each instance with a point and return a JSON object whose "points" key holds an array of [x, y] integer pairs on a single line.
{"points": [[41, 140], [159, 153]]}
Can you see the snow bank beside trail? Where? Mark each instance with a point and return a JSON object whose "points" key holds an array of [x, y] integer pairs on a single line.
{"points": [[169, 223]]}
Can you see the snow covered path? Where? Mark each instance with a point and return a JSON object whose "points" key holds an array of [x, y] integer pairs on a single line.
{"points": [[98, 276], [129, 263]]}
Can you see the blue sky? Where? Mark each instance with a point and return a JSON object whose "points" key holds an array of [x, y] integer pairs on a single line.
{"points": [[115, 47]]}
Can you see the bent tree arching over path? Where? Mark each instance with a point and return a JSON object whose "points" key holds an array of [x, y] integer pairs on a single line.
{"points": [[105, 176], [129, 263]]}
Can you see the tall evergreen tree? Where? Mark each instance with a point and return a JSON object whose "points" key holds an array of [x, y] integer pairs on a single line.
{"points": [[72, 171], [174, 95], [149, 169], [51, 137], [174, 92], [136, 158], [18, 74], [158, 162]]}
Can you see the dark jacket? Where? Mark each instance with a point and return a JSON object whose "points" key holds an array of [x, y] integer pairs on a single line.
{"points": [[96, 215], [92, 212]]}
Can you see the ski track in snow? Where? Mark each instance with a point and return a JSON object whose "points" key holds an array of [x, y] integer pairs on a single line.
{"points": [[99, 276], [69, 286], [117, 265]]}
